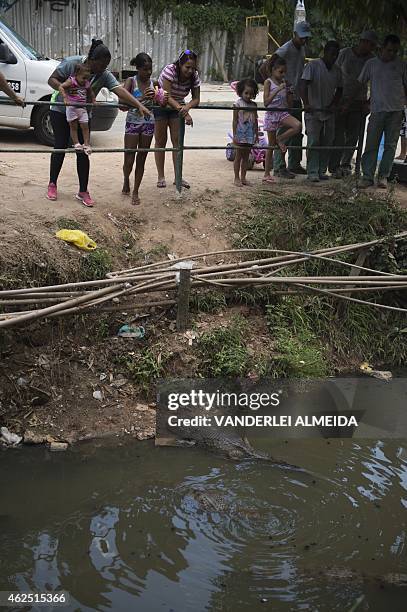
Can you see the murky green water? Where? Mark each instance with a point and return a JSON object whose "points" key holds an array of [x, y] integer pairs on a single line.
{"points": [[123, 527]]}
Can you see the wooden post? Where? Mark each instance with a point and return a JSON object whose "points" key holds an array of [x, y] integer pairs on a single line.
{"points": [[183, 299]]}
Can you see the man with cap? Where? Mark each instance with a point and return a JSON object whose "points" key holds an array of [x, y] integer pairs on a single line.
{"points": [[293, 52], [353, 108], [387, 75]]}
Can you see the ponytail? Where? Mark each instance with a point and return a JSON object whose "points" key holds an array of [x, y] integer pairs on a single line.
{"points": [[274, 61], [99, 51]]}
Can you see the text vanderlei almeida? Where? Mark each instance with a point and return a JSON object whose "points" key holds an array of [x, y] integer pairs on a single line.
{"points": [[206, 402]]}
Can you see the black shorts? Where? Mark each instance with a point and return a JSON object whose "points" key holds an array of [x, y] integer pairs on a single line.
{"points": [[165, 113]]}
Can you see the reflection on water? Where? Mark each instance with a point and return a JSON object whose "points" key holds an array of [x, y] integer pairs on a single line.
{"points": [[129, 527]]}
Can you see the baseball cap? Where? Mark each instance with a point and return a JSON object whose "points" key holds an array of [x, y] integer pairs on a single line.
{"points": [[369, 35], [303, 29]]}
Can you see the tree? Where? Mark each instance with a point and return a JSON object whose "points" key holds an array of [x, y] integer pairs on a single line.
{"points": [[389, 15]]}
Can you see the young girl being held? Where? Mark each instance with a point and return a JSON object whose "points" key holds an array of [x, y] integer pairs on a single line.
{"points": [[77, 89], [139, 129], [276, 96], [245, 128]]}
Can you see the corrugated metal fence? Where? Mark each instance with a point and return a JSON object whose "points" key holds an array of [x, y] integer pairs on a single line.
{"points": [[66, 27]]}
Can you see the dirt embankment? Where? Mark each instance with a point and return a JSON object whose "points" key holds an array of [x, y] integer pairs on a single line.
{"points": [[74, 378]]}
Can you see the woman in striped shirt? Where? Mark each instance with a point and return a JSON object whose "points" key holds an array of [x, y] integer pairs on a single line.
{"points": [[178, 79]]}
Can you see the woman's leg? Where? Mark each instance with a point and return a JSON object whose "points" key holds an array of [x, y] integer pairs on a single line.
{"points": [[174, 128], [160, 131], [62, 136], [82, 164], [236, 167], [244, 165], [268, 164], [145, 141], [130, 142]]}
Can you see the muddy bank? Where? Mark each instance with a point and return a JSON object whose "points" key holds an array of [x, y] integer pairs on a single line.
{"points": [[73, 378]]}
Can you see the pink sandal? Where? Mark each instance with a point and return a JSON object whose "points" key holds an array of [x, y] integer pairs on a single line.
{"points": [[268, 179]]}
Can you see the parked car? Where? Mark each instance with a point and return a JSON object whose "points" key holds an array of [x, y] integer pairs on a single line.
{"points": [[27, 72]]}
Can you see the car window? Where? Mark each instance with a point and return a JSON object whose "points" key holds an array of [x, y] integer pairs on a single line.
{"points": [[19, 41]]}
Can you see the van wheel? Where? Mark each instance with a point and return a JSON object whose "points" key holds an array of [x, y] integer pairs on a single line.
{"points": [[42, 126]]}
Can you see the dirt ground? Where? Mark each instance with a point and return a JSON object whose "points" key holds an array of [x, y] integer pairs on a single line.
{"points": [[48, 379]]}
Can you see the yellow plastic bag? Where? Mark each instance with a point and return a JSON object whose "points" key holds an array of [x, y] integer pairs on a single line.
{"points": [[78, 238]]}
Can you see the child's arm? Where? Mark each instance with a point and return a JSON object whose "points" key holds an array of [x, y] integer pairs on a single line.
{"points": [[63, 89], [272, 94], [234, 124], [128, 84], [290, 98], [256, 119]]}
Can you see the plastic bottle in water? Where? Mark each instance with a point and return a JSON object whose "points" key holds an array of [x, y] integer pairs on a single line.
{"points": [[299, 13]]}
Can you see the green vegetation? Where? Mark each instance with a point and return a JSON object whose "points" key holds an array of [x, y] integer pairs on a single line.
{"points": [[312, 335], [65, 223], [159, 251], [95, 264], [223, 350], [207, 301], [197, 17], [146, 366]]}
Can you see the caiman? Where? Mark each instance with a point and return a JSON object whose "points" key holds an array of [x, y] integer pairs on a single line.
{"points": [[215, 502], [224, 442]]}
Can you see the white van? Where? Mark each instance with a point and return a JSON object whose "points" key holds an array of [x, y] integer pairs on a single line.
{"points": [[27, 72]]}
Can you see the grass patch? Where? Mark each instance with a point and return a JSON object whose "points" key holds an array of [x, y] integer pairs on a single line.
{"points": [[299, 352], [304, 222], [223, 350], [159, 251], [95, 264], [65, 223], [207, 301], [147, 366]]}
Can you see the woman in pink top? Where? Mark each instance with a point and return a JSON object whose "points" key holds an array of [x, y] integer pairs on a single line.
{"points": [[178, 79]]}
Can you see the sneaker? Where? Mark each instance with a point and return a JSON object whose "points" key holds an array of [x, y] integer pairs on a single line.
{"points": [[52, 192], [365, 183], [323, 177], [298, 170], [382, 182], [84, 197], [313, 179], [284, 173]]}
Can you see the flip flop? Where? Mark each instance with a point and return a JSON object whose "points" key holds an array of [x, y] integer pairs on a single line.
{"points": [[184, 184], [161, 184], [269, 179]]}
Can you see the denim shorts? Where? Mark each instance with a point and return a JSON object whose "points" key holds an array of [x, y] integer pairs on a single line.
{"points": [[163, 113]]}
